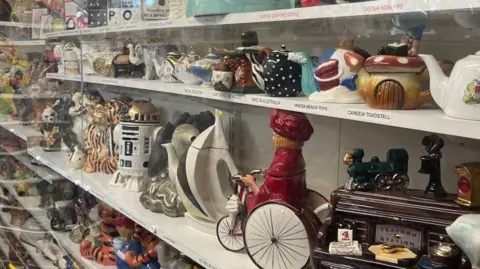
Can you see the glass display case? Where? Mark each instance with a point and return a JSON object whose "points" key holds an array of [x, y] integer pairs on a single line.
{"points": [[215, 134]]}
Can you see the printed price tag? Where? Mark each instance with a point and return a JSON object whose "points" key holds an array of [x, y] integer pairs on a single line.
{"points": [[345, 235], [206, 264], [278, 15], [237, 97], [310, 107], [193, 91], [370, 115], [383, 8], [269, 101], [157, 24], [221, 95]]}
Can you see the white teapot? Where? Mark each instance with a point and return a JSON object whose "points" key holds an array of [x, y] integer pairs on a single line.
{"points": [[459, 94]]}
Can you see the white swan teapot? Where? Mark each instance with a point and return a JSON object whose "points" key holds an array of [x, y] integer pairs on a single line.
{"points": [[459, 94]]}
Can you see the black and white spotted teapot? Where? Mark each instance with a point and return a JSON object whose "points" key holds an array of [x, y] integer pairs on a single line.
{"points": [[282, 77]]}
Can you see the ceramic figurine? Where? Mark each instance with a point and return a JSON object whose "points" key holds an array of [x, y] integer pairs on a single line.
{"points": [[146, 53], [468, 192], [82, 103], [284, 195], [413, 24], [169, 73], [71, 58], [124, 68], [459, 94], [23, 103], [239, 64], [182, 68], [84, 223], [56, 128], [390, 82], [198, 179], [103, 254], [135, 146], [148, 258], [331, 80], [162, 195], [76, 159], [203, 68], [465, 233], [376, 174], [102, 62], [222, 78], [99, 145], [50, 249]]}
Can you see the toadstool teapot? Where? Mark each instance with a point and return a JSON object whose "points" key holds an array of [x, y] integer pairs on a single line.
{"points": [[459, 94]]}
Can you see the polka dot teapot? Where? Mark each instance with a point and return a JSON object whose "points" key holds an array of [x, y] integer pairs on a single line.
{"points": [[277, 75]]}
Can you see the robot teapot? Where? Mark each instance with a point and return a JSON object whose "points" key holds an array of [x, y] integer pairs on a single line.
{"points": [[135, 136], [459, 94]]}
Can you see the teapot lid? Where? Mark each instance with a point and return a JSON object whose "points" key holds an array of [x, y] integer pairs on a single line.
{"points": [[211, 54], [283, 50]]}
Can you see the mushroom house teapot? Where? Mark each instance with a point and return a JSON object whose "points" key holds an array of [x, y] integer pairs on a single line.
{"points": [[459, 94]]}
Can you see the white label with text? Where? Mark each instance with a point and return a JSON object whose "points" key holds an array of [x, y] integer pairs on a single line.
{"points": [[206, 264], [221, 95], [373, 116], [266, 101], [311, 108], [193, 91]]}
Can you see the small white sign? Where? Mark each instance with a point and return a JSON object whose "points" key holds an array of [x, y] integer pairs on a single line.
{"points": [[370, 115], [345, 235], [269, 101], [311, 108]]}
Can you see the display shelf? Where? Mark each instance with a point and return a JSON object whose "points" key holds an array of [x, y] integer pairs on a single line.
{"points": [[31, 203], [200, 247], [42, 171], [327, 11], [22, 131], [41, 261], [424, 119]]}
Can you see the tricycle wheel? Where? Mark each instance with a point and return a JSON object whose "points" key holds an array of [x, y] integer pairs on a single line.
{"points": [[275, 237], [230, 237]]}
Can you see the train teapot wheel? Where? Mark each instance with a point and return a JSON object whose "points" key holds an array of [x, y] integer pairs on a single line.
{"points": [[230, 238], [276, 238]]}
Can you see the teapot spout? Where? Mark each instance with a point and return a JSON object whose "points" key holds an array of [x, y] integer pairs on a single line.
{"points": [[438, 80]]}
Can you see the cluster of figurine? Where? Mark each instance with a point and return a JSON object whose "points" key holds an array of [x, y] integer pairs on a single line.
{"points": [[396, 78]]}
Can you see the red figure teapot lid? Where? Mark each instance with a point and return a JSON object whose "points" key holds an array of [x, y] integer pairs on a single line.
{"points": [[292, 125]]}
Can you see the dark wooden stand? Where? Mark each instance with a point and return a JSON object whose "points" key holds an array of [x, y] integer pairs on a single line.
{"points": [[404, 209]]}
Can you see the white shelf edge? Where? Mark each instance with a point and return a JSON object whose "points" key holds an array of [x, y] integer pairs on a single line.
{"points": [[38, 42], [423, 119], [200, 247], [327, 11]]}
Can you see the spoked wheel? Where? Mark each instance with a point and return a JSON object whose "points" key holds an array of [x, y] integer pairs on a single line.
{"points": [[401, 181], [275, 237], [230, 239]]}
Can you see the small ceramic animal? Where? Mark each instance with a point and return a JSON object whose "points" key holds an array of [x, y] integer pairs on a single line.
{"points": [[56, 130], [76, 159]]}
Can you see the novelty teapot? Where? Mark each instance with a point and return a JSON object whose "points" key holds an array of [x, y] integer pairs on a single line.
{"points": [[278, 75], [459, 94]]}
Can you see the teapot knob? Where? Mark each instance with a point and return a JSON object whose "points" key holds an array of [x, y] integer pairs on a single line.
{"points": [[283, 47]]}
